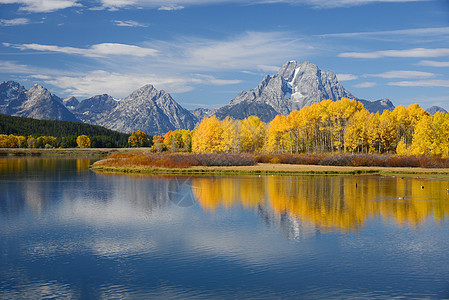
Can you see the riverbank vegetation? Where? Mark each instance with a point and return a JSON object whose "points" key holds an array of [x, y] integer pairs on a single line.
{"points": [[343, 126], [128, 161], [173, 160]]}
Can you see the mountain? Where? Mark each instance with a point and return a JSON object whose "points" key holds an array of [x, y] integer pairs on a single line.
{"points": [[95, 109], [377, 106], [149, 110], [70, 102], [201, 113], [434, 109], [37, 103], [244, 109], [295, 85]]}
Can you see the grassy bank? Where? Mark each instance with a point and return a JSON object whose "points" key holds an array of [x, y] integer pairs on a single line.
{"points": [[62, 152], [235, 164]]}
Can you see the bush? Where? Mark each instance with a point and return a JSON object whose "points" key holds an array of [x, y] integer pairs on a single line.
{"points": [[167, 160]]}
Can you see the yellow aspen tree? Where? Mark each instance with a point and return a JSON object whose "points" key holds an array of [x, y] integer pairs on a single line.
{"points": [[401, 148], [230, 136], [298, 127], [422, 137], [339, 113], [22, 141], [158, 144], [387, 131], [207, 136], [440, 129], [138, 139], [83, 141], [373, 132], [401, 116], [276, 141], [252, 134], [414, 113], [356, 131]]}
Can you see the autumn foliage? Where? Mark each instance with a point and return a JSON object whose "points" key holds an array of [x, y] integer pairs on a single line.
{"points": [[175, 160], [343, 126], [83, 141]]}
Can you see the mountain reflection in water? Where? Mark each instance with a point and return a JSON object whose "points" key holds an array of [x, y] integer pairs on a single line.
{"points": [[325, 203]]}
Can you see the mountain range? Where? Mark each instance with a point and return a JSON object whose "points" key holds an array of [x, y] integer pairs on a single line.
{"points": [[297, 84]]}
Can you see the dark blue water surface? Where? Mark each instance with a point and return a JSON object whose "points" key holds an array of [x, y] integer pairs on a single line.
{"points": [[67, 232]]}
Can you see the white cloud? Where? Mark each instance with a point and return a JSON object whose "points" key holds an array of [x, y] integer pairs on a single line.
{"points": [[365, 85], [98, 50], [324, 4], [14, 22], [11, 67], [431, 63], [207, 79], [121, 85], [432, 31], [170, 7], [38, 6], [402, 74], [250, 50], [346, 77], [129, 23], [422, 83], [416, 52], [44, 77]]}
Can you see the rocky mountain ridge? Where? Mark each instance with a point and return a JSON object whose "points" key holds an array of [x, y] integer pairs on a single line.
{"points": [[294, 86], [37, 103], [297, 84]]}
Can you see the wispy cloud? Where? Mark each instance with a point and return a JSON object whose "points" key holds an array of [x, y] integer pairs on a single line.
{"points": [[402, 74], [12, 67], [341, 3], [346, 77], [428, 31], [416, 52], [170, 7], [431, 63], [98, 50], [129, 23], [14, 22], [365, 85], [193, 60], [250, 50], [120, 85], [38, 6], [320, 4], [422, 83]]}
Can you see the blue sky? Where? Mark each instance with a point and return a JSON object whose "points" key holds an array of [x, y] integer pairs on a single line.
{"points": [[204, 52]]}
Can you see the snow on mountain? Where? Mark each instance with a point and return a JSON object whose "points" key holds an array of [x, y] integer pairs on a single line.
{"points": [[37, 103], [149, 110], [295, 85]]}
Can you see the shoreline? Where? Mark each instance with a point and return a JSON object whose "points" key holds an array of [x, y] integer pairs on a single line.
{"points": [[63, 152], [274, 169], [258, 169]]}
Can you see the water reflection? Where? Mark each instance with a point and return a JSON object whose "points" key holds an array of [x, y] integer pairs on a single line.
{"points": [[32, 182], [297, 205], [330, 203], [66, 232]]}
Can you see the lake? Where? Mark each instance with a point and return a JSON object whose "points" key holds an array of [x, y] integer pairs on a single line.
{"points": [[67, 232]]}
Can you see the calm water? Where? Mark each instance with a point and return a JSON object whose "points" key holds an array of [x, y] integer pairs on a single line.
{"points": [[67, 232]]}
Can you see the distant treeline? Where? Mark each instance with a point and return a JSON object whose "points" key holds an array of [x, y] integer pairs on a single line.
{"points": [[65, 133]]}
